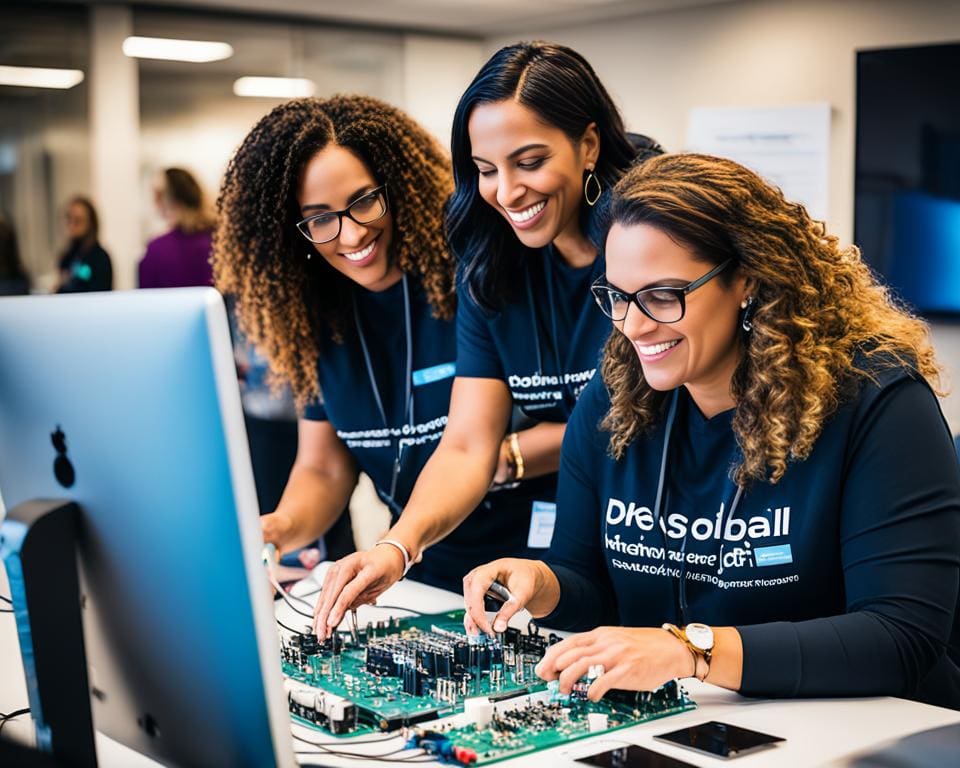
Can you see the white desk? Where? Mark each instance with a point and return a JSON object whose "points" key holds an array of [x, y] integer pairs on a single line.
{"points": [[818, 732]]}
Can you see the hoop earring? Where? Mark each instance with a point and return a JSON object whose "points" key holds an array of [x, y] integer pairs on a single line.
{"points": [[586, 189], [748, 307]]}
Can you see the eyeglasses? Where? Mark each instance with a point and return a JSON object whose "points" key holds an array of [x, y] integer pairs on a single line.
{"points": [[663, 304], [325, 226]]}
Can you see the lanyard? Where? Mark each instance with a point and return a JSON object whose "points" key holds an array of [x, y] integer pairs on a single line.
{"points": [[662, 505], [569, 399], [408, 395]]}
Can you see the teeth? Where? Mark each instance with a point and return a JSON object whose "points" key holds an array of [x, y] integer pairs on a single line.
{"points": [[656, 349], [527, 213], [361, 255]]}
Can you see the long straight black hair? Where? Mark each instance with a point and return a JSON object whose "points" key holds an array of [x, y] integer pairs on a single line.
{"points": [[560, 86]]}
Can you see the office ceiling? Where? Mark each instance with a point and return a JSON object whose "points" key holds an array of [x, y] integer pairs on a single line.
{"points": [[477, 18]]}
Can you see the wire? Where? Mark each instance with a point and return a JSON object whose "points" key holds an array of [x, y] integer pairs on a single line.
{"points": [[383, 757], [6, 599], [6, 610], [386, 737], [284, 597], [16, 713], [291, 629], [401, 608]]}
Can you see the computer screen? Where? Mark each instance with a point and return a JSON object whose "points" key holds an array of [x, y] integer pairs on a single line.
{"points": [[128, 404], [907, 200]]}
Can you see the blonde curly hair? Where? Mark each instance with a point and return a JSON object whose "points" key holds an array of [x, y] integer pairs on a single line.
{"points": [[285, 302], [819, 310]]}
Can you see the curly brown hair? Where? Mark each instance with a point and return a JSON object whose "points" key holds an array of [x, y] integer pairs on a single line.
{"points": [[822, 321], [285, 302]]}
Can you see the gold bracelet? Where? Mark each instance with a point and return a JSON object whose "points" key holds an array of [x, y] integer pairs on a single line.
{"points": [[514, 442]]}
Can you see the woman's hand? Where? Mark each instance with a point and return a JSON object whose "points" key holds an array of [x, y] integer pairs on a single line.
{"points": [[632, 658], [276, 528], [355, 580], [531, 583]]}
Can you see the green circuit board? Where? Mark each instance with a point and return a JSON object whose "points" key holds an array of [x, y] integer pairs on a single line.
{"points": [[418, 673], [542, 727], [381, 699]]}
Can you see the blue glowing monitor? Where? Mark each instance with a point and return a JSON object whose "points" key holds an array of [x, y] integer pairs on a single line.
{"points": [[128, 404]]}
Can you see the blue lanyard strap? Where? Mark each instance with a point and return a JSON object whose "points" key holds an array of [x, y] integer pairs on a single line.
{"points": [[408, 410]]}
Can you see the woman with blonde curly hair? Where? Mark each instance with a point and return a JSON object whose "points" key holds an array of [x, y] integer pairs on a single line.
{"points": [[331, 240], [761, 490]]}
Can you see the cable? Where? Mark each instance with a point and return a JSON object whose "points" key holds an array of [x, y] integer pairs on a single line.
{"points": [[401, 608], [6, 599], [291, 629], [16, 713], [386, 737], [283, 595], [383, 757]]}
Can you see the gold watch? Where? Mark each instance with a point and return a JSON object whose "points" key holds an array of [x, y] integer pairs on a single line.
{"points": [[699, 640]]}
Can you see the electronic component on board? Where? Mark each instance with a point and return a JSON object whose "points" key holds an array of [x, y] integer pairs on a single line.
{"points": [[411, 672]]}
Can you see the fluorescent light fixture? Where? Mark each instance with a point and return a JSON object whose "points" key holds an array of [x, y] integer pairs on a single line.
{"points": [[274, 87], [38, 77], [197, 51]]}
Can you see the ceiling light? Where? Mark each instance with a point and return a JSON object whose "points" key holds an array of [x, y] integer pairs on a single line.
{"points": [[198, 51], [274, 87], [38, 77]]}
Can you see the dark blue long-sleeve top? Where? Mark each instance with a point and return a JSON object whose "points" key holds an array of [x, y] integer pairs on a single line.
{"points": [[842, 579]]}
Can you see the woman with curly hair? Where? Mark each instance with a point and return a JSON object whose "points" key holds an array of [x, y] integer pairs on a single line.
{"points": [[761, 490], [331, 240], [537, 145]]}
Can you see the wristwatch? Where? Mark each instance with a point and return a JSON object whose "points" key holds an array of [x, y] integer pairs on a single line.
{"points": [[699, 639]]}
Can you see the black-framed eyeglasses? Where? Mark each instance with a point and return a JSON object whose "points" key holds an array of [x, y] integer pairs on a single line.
{"points": [[663, 304], [324, 227]]}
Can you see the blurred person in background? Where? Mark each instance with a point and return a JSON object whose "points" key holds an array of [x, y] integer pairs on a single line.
{"points": [[13, 279], [84, 264], [181, 257]]}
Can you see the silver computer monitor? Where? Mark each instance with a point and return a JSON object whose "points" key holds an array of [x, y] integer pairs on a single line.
{"points": [[181, 645]]}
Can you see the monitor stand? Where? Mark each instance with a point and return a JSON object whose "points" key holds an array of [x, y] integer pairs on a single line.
{"points": [[38, 546]]}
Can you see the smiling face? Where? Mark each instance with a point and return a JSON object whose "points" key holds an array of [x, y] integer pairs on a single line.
{"points": [[700, 351], [530, 172], [331, 180]]}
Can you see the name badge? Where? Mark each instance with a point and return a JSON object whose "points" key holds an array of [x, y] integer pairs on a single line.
{"points": [[780, 555], [542, 519], [434, 373]]}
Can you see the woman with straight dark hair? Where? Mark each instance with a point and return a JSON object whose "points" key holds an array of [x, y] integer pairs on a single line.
{"points": [[537, 144]]}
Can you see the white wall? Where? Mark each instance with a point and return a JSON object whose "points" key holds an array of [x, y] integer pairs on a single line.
{"points": [[436, 72], [760, 53]]}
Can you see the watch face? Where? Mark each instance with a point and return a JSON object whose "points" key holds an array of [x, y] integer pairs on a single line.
{"points": [[700, 635]]}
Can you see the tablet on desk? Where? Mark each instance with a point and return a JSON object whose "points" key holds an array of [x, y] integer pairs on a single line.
{"points": [[719, 739]]}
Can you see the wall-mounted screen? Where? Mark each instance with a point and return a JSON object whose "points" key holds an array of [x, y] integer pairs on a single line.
{"points": [[907, 209]]}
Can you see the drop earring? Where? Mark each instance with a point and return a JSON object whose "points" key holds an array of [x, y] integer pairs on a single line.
{"points": [[748, 306], [598, 190]]}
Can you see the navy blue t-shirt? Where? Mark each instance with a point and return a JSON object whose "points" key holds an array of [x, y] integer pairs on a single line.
{"points": [[499, 526], [842, 578], [544, 346]]}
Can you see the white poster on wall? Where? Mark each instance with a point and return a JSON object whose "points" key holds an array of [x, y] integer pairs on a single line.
{"points": [[789, 146]]}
